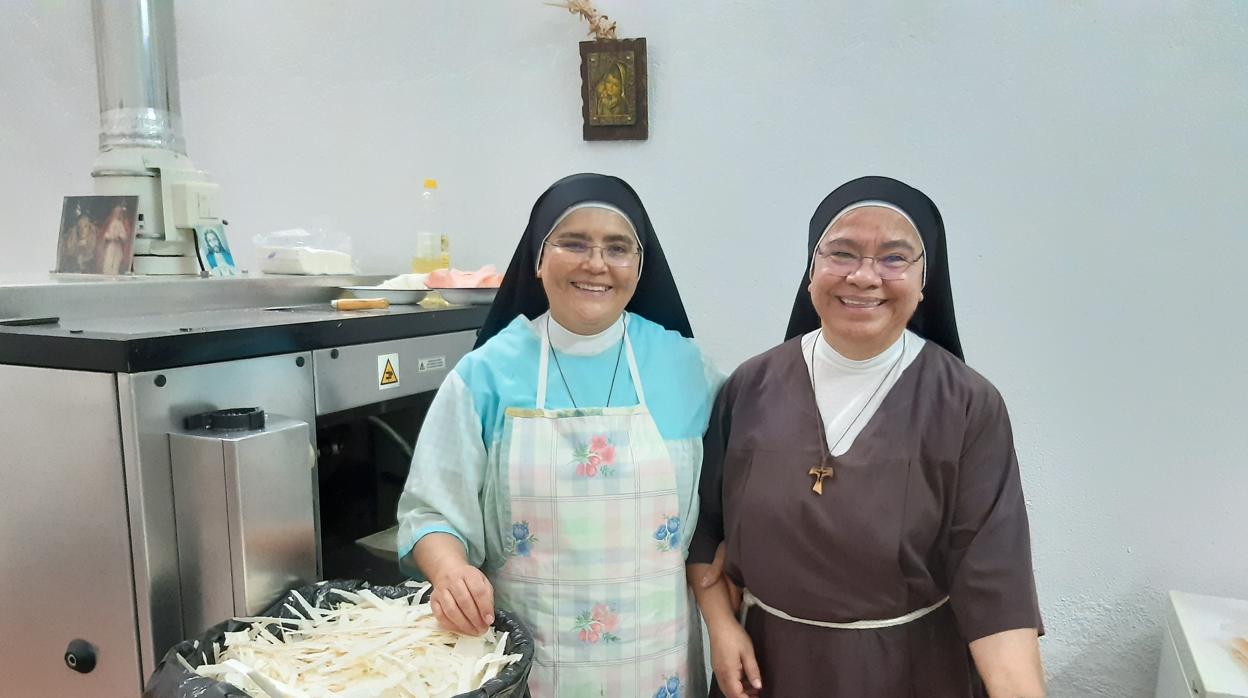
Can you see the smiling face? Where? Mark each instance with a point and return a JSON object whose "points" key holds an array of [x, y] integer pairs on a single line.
{"points": [[586, 294], [862, 314]]}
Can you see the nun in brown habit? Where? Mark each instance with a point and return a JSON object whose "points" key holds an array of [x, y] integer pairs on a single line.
{"points": [[863, 482]]}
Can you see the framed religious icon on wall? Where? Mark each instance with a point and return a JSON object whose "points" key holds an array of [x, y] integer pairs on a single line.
{"points": [[613, 90]]}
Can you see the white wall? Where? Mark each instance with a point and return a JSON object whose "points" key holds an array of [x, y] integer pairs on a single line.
{"points": [[1088, 157]]}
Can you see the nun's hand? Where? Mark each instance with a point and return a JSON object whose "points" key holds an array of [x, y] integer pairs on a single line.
{"points": [[715, 572], [463, 600], [732, 660]]}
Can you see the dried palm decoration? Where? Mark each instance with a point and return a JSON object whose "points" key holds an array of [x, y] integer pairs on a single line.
{"points": [[600, 26]]}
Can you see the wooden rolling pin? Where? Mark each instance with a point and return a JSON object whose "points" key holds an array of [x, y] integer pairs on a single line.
{"points": [[360, 304]]}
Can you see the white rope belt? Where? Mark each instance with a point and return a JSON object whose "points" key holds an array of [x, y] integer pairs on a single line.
{"points": [[749, 600]]}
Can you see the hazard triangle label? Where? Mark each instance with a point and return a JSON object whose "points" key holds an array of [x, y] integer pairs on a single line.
{"points": [[387, 371]]}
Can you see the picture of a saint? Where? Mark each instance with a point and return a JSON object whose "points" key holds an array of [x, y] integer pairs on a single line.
{"points": [[610, 91], [115, 241], [78, 246], [97, 235], [214, 252], [614, 104]]}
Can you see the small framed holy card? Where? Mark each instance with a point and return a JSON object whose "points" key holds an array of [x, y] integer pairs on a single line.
{"points": [[614, 90]]}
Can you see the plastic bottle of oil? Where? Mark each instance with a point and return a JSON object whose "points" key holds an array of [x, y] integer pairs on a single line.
{"points": [[433, 248]]}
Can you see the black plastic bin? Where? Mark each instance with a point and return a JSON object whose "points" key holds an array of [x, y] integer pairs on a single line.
{"points": [[172, 680]]}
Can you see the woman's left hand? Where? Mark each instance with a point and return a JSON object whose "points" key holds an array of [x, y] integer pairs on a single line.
{"points": [[733, 661]]}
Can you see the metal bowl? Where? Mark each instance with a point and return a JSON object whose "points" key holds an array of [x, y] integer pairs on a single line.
{"points": [[468, 296], [396, 296]]}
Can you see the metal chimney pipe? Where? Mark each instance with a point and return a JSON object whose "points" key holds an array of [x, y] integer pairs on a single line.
{"points": [[136, 63]]}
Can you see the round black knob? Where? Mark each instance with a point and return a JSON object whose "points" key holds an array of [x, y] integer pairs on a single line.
{"points": [[80, 656]]}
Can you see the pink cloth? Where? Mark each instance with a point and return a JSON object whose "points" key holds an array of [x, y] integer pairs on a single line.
{"points": [[485, 277]]}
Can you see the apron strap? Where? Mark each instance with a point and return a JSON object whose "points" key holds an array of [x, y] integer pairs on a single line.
{"points": [[543, 367], [632, 368]]}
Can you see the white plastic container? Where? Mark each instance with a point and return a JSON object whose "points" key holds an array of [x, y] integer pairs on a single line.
{"points": [[1196, 656]]}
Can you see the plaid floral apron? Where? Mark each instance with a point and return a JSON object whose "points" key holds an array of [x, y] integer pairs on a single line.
{"points": [[594, 561]]}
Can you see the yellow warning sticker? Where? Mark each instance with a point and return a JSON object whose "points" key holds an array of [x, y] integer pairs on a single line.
{"points": [[388, 376], [387, 371]]}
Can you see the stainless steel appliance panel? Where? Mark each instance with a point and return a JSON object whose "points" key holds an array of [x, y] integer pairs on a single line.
{"points": [[271, 484], [203, 531], [153, 405], [351, 376], [65, 562], [246, 530]]}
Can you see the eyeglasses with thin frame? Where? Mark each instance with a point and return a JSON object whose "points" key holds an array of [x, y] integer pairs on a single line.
{"points": [[614, 254], [841, 262]]}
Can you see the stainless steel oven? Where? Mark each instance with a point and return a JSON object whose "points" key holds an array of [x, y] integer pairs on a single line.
{"points": [[181, 450]]}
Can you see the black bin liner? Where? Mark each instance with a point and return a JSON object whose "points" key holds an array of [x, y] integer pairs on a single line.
{"points": [[172, 680]]}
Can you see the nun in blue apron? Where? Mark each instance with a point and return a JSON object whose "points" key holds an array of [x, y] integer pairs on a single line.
{"points": [[557, 468]]}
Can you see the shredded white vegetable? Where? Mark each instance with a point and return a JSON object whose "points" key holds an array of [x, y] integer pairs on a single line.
{"points": [[368, 647]]}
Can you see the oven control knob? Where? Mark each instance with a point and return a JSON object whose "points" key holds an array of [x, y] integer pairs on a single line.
{"points": [[80, 656]]}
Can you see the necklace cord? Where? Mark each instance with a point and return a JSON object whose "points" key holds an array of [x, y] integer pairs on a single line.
{"points": [[826, 451], [614, 373]]}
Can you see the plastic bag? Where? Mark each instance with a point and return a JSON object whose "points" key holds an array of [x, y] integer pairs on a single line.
{"points": [[172, 680], [303, 252]]}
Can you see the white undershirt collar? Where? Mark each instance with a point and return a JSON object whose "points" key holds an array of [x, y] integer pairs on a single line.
{"points": [[566, 341], [825, 354]]}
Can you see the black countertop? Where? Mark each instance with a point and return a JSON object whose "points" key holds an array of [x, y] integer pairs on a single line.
{"points": [[157, 342]]}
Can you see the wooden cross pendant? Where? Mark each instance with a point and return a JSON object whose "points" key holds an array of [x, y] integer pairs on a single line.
{"points": [[819, 473]]}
